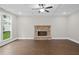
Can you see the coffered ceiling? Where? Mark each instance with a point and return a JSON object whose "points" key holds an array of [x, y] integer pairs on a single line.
{"points": [[26, 9]]}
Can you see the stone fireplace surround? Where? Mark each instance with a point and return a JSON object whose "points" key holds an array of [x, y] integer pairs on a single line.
{"points": [[42, 32]]}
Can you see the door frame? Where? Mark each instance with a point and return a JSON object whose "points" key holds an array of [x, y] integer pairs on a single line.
{"points": [[2, 27]]}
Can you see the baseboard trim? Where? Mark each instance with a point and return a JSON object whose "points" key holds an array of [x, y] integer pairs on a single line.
{"points": [[32, 38], [57, 38], [6, 42], [74, 40], [60, 37]]}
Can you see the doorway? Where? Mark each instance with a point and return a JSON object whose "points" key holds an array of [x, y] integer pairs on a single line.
{"points": [[6, 27]]}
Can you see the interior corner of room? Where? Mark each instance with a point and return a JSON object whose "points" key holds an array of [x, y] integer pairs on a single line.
{"points": [[20, 21]]}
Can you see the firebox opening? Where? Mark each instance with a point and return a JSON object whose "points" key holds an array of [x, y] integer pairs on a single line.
{"points": [[42, 33]]}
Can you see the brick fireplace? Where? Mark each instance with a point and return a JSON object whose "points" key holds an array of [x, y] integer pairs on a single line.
{"points": [[42, 32]]}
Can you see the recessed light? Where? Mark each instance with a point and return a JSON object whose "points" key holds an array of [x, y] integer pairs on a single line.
{"points": [[64, 13], [20, 13]]}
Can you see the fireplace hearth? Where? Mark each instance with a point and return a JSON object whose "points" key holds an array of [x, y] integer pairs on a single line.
{"points": [[42, 32]]}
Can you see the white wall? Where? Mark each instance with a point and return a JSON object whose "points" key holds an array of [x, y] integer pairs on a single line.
{"points": [[25, 25], [74, 27], [59, 27], [14, 27]]}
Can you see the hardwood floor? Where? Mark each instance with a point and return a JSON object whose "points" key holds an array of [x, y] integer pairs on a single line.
{"points": [[40, 47]]}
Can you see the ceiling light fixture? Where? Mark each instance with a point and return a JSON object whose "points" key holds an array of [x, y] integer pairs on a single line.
{"points": [[42, 10]]}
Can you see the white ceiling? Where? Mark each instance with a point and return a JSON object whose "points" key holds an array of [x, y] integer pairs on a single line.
{"points": [[26, 9]]}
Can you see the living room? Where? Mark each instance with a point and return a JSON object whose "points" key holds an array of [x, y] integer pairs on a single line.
{"points": [[35, 27]]}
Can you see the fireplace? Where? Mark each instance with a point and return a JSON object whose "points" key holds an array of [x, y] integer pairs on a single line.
{"points": [[42, 32]]}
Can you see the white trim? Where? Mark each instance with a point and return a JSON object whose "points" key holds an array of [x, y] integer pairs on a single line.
{"points": [[66, 38], [52, 38], [60, 38], [74, 40], [6, 42], [32, 38], [25, 38]]}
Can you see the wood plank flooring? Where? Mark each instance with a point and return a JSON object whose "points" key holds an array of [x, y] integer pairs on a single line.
{"points": [[40, 47]]}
